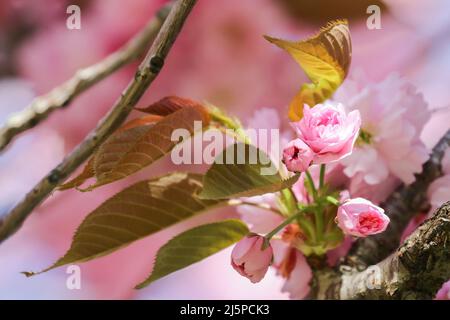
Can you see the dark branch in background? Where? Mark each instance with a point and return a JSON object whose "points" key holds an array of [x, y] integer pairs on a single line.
{"points": [[15, 30], [146, 73], [401, 206], [415, 271], [61, 96]]}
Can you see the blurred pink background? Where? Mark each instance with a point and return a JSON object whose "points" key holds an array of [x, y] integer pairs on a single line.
{"points": [[220, 57]]}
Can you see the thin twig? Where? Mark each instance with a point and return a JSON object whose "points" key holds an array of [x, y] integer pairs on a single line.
{"points": [[415, 271], [401, 207], [41, 107], [146, 73]]}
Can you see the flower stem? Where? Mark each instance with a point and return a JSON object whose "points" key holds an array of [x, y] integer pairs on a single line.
{"points": [[308, 228], [230, 123], [318, 217], [288, 202], [332, 200], [322, 176], [311, 184], [282, 225]]}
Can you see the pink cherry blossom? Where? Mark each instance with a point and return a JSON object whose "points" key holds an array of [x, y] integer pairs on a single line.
{"points": [[393, 115], [439, 192], [267, 120], [301, 193], [297, 156], [361, 218], [335, 255], [260, 220], [328, 130], [444, 292], [250, 259], [377, 193], [297, 282]]}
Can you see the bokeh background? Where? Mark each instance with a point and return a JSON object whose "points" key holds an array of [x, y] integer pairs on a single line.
{"points": [[220, 57]]}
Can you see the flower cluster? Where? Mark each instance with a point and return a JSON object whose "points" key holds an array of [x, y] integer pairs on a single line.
{"points": [[389, 149], [310, 218]]}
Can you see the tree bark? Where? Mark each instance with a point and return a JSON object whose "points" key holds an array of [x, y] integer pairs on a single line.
{"points": [[415, 271], [401, 207]]}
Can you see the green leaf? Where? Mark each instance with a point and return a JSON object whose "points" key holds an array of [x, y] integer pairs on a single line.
{"points": [[195, 245], [134, 213], [242, 170]]}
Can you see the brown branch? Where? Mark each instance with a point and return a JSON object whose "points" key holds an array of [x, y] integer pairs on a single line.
{"points": [[146, 73], [41, 107], [415, 271], [401, 206]]}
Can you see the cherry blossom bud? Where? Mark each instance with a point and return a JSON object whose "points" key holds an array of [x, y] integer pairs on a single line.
{"points": [[361, 218], [250, 259], [297, 156]]}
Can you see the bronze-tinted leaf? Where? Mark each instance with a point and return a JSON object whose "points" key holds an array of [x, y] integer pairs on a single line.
{"points": [[170, 104], [141, 141], [134, 213], [138, 122], [325, 58], [126, 152], [88, 171]]}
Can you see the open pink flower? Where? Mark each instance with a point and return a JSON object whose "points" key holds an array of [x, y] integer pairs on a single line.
{"points": [[250, 260], [297, 156], [260, 220], [361, 218], [393, 115], [328, 131]]}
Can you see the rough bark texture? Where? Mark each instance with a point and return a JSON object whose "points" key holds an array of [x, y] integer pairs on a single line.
{"points": [[146, 73], [401, 206], [415, 271]]}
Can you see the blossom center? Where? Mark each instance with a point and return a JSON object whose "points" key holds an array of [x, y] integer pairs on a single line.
{"points": [[368, 221], [295, 153], [328, 118], [365, 137]]}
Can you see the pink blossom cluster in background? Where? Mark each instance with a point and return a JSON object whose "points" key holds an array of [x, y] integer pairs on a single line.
{"points": [[398, 82]]}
